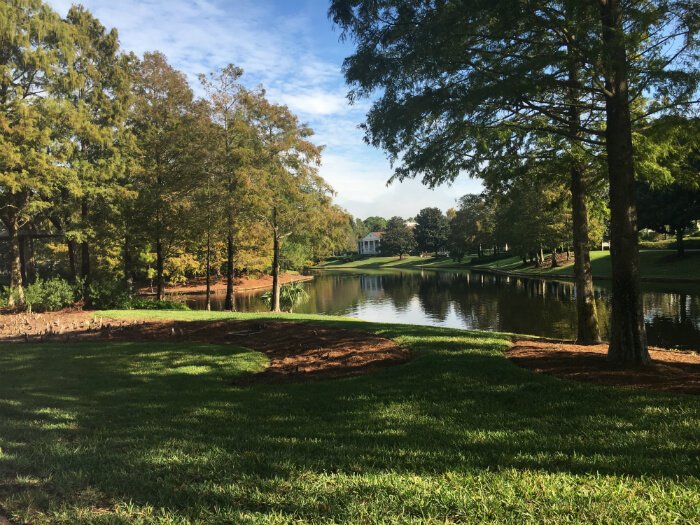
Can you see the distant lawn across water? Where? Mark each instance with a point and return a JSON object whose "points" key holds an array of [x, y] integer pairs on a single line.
{"points": [[157, 432], [409, 261], [655, 265]]}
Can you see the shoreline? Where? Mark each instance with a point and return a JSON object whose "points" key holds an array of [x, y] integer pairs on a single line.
{"points": [[245, 284], [509, 273], [567, 277]]}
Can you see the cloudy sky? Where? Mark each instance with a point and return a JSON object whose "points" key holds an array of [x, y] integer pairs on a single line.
{"points": [[292, 48]]}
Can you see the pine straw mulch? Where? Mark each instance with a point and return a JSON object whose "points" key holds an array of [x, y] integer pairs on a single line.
{"points": [[669, 371], [297, 351]]}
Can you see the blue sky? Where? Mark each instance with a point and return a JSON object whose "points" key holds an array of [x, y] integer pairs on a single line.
{"points": [[292, 48]]}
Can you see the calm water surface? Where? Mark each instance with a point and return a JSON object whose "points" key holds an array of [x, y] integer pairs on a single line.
{"points": [[463, 299]]}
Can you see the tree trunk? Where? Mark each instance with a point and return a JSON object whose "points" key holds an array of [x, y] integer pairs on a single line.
{"points": [[16, 297], [159, 270], [628, 342], [128, 272], [276, 273], [228, 305], [22, 241], [85, 246], [72, 264], [588, 331], [555, 264], [31, 262], [208, 293], [680, 247]]}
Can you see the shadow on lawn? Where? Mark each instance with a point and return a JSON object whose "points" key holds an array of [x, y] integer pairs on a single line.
{"points": [[159, 424]]}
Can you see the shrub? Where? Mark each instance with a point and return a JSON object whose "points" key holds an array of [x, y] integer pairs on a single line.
{"points": [[106, 294], [291, 295], [49, 296], [140, 303]]}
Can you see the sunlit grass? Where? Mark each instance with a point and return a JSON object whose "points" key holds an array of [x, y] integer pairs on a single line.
{"points": [[655, 264], [144, 433], [394, 262]]}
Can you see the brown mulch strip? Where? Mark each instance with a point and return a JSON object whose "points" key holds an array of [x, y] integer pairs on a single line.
{"points": [[670, 371], [297, 351], [241, 284]]}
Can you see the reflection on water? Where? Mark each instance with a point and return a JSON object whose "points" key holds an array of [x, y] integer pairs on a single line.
{"points": [[462, 299]]}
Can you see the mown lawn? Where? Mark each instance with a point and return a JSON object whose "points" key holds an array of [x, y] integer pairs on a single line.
{"points": [[145, 433], [394, 262], [655, 264]]}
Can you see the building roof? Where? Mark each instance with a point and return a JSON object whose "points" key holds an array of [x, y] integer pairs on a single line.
{"points": [[372, 234]]}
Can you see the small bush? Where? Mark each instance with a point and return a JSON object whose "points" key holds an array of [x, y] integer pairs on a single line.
{"points": [[49, 296], [106, 295], [139, 303], [291, 295], [670, 244]]}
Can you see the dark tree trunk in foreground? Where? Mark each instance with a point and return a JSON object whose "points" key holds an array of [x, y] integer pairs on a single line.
{"points": [[628, 342], [680, 247], [555, 263], [588, 331], [229, 272]]}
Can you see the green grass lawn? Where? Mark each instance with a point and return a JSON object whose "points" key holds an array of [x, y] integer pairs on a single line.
{"points": [[156, 433], [394, 262], [655, 264]]}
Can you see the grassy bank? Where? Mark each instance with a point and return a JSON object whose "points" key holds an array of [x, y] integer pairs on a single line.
{"points": [[655, 265], [156, 433], [378, 263]]}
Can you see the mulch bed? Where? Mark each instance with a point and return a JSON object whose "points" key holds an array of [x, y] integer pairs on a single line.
{"points": [[297, 351], [671, 371], [241, 284]]}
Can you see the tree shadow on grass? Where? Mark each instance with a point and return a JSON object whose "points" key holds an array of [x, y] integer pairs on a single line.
{"points": [[159, 423]]}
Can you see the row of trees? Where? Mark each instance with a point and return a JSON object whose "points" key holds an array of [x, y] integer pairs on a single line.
{"points": [[492, 88], [110, 165]]}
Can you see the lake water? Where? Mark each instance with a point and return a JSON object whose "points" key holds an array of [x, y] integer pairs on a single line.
{"points": [[464, 299]]}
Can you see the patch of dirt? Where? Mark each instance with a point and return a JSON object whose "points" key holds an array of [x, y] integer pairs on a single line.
{"points": [[671, 371], [297, 351]]}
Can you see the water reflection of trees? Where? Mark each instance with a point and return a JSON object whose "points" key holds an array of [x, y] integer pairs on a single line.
{"points": [[483, 301], [400, 288]]}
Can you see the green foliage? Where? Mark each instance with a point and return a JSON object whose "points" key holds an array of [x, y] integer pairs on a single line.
{"points": [[431, 231], [291, 295], [107, 293], [50, 295], [374, 224], [473, 227], [398, 239], [139, 303]]}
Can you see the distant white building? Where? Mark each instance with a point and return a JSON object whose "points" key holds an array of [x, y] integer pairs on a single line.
{"points": [[370, 244]]}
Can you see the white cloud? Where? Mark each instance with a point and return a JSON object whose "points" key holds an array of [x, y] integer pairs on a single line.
{"points": [[297, 57]]}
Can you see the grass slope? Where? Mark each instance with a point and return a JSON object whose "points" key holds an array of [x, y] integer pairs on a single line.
{"points": [[393, 262], [118, 433], [655, 264]]}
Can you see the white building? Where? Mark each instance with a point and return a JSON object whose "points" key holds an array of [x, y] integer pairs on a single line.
{"points": [[370, 244]]}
